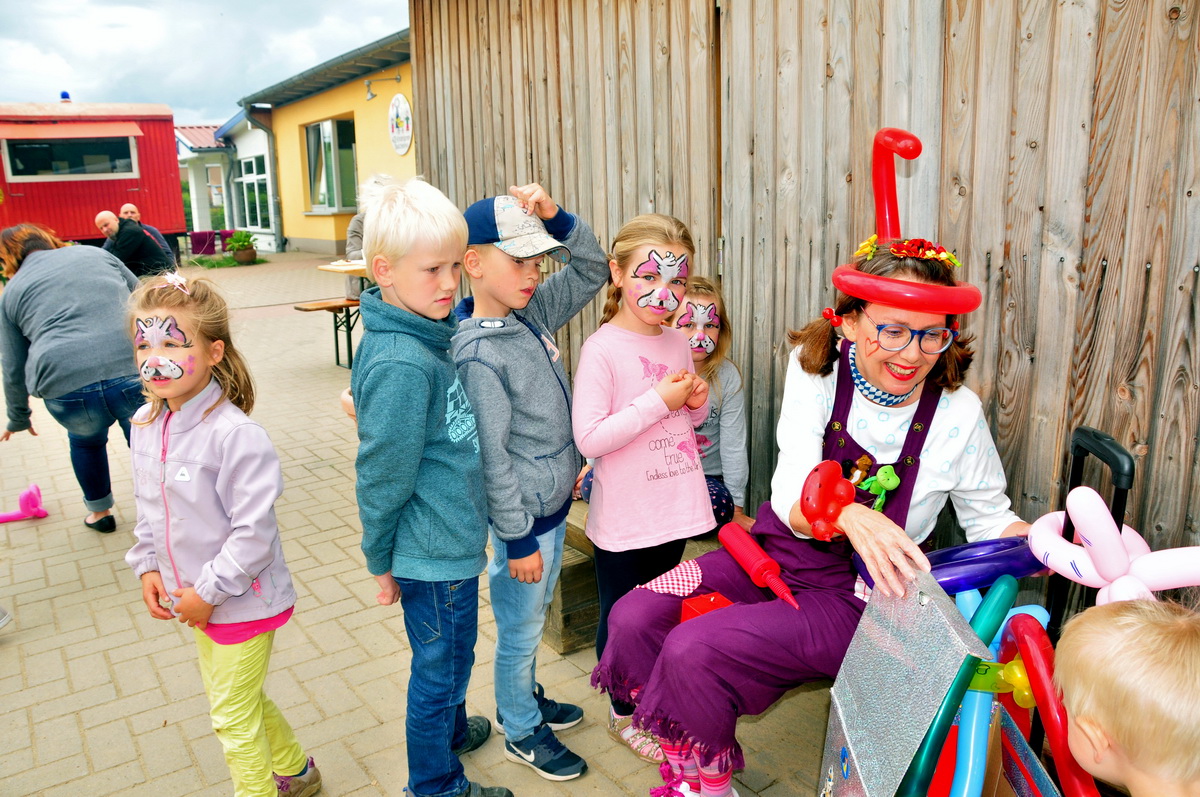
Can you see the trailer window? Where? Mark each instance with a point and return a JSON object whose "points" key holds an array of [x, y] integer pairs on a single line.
{"points": [[71, 158]]}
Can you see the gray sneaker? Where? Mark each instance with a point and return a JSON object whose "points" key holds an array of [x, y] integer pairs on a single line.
{"points": [[546, 755], [475, 790], [5, 617]]}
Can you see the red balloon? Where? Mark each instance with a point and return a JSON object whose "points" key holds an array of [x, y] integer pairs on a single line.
{"points": [[824, 494], [923, 297], [889, 141]]}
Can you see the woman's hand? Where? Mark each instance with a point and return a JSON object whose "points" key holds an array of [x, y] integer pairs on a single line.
{"points": [[7, 434], [192, 609], [699, 393], [742, 519], [884, 547], [154, 593], [1017, 529], [675, 389]]}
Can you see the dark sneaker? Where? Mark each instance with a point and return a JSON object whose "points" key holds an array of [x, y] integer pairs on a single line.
{"points": [[546, 755], [304, 785], [478, 731], [559, 716], [475, 790]]}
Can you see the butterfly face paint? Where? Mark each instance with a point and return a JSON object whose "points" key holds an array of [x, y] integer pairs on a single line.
{"points": [[157, 331], [703, 326], [659, 282]]}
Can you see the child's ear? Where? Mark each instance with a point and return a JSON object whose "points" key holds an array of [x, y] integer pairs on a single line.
{"points": [[617, 274], [1096, 738], [216, 352], [473, 264], [381, 270]]}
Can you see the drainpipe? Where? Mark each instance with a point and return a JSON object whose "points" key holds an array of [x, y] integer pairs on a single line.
{"points": [[276, 206]]}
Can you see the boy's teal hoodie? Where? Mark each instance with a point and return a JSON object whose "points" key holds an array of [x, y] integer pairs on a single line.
{"points": [[420, 482]]}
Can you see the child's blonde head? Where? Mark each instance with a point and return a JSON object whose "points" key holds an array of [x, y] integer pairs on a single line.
{"points": [[208, 314], [401, 214], [648, 229], [1133, 668], [707, 292]]}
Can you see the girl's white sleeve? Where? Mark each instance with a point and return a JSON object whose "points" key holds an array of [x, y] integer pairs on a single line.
{"points": [[980, 501], [597, 430], [807, 407]]}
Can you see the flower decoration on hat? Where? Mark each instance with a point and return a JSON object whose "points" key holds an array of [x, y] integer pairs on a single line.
{"points": [[920, 249], [867, 248]]}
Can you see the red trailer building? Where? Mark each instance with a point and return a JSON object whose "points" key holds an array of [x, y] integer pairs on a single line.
{"points": [[65, 162]]}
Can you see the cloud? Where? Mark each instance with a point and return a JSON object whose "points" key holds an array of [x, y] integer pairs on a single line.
{"points": [[196, 57]]}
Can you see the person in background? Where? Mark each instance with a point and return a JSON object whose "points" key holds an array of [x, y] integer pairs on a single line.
{"points": [[133, 246], [130, 211]]}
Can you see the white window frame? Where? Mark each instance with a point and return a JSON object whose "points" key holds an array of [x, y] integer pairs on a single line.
{"points": [[344, 204], [247, 181], [134, 174]]}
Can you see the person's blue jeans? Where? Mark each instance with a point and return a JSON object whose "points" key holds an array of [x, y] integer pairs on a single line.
{"points": [[441, 619], [86, 414], [520, 611]]}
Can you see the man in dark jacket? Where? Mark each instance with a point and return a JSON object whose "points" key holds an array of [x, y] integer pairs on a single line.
{"points": [[132, 245], [130, 211]]}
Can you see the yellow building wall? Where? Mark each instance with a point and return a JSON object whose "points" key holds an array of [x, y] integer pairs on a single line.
{"points": [[373, 152]]}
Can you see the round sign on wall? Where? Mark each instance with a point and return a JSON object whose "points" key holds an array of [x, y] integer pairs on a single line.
{"points": [[400, 124]]}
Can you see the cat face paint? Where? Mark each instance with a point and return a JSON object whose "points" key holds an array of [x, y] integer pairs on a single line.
{"points": [[171, 364], [703, 327], [659, 282]]}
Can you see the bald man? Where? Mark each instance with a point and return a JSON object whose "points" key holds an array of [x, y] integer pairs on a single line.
{"points": [[130, 211], [134, 246]]}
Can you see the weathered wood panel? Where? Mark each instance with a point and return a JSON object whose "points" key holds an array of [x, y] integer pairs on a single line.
{"points": [[1061, 161]]}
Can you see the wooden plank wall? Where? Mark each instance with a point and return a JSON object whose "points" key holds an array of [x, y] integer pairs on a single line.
{"points": [[1061, 161]]}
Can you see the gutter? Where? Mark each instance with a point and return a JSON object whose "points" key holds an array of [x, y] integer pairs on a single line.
{"points": [[276, 205]]}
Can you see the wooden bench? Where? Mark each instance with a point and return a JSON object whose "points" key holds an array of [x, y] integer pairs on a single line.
{"points": [[345, 318]]}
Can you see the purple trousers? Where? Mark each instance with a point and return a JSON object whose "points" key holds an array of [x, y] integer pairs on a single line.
{"points": [[691, 681]]}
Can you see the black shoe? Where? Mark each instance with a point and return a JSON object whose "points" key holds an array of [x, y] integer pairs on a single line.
{"points": [[559, 716], [105, 525], [475, 790], [478, 731], [545, 755]]}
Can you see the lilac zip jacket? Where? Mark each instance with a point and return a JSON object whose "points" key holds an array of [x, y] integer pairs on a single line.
{"points": [[206, 490]]}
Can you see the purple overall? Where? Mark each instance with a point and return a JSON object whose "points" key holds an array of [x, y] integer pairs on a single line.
{"points": [[691, 681]]}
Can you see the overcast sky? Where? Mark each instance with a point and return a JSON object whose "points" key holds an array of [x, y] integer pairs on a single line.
{"points": [[198, 57]]}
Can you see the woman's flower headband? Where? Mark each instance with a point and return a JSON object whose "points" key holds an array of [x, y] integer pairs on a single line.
{"points": [[916, 248]]}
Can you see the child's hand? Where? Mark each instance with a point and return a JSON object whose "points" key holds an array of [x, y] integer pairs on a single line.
{"points": [[154, 594], [742, 519], [192, 609], [527, 569], [348, 404], [389, 590], [699, 394], [675, 389], [534, 199], [577, 493]]}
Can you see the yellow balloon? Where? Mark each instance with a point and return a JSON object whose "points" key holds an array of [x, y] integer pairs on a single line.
{"points": [[1024, 698], [1014, 673]]}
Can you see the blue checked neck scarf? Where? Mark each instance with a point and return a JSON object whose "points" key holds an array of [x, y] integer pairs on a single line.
{"points": [[870, 391]]}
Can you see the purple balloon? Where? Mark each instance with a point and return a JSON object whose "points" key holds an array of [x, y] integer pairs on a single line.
{"points": [[975, 565]]}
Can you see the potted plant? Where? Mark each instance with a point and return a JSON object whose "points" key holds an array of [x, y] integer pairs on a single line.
{"points": [[241, 246]]}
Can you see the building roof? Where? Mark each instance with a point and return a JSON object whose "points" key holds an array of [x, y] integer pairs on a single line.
{"points": [[198, 137], [390, 50], [56, 111], [224, 130]]}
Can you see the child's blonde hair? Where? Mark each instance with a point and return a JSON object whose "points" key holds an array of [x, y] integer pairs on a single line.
{"points": [[1133, 667], [646, 229], [707, 289], [209, 315], [401, 214]]}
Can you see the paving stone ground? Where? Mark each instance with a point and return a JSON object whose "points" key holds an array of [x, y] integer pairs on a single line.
{"points": [[97, 698]]}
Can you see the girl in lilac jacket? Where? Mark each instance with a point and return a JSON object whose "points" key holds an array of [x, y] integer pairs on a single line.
{"points": [[208, 552]]}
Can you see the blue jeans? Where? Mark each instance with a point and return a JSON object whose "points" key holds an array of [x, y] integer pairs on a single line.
{"points": [[520, 611], [86, 414], [441, 619]]}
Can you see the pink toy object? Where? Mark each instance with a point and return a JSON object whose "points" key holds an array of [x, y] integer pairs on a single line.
{"points": [[30, 506], [762, 569], [1117, 562]]}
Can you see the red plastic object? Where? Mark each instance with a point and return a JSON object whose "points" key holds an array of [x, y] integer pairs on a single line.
{"points": [[943, 776], [924, 297], [824, 494], [763, 570], [889, 141], [1038, 654], [702, 604]]}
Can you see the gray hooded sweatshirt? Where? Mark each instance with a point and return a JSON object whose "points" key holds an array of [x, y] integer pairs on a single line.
{"points": [[513, 374]]}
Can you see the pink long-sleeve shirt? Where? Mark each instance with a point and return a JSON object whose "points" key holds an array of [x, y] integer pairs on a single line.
{"points": [[649, 483]]}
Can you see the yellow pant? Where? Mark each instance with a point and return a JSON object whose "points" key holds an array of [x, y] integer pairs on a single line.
{"points": [[256, 737]]}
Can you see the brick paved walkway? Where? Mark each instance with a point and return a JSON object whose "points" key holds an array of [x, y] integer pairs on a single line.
{"points": [[97, 698]]}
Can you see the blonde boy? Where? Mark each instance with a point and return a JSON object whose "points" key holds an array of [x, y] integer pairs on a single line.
{"points": [[1129, 673], [424, 531]]}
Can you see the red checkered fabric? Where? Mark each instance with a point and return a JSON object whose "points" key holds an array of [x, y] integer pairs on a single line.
{"points": [[681, 580]]}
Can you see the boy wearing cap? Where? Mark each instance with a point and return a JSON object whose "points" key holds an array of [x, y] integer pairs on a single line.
{"points": [[514, 377]]}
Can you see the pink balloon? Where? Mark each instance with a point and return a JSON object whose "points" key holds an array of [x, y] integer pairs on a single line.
{"points": [[1134, 544], [1095, 527], [1125, 588], [1170, 569], [1071, 560]]}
